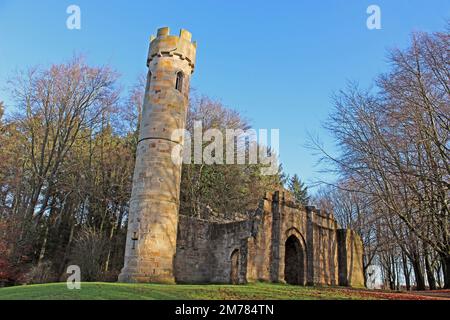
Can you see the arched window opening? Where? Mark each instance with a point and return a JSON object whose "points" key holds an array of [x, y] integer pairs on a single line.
{"points": [[179, 83]]}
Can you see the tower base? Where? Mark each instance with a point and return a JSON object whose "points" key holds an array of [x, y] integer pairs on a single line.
{"points": [[129, 277]]}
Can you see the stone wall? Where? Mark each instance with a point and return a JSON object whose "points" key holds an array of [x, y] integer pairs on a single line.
{"points": [[259, 246], [225, 239], [350, 259], [193, 263], [204, 250]]}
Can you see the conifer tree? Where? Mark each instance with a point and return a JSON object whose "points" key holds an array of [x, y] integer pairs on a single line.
{"points": [[299, 190]]}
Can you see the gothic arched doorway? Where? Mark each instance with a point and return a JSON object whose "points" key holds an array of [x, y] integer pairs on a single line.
{"points": [[234, 275], [294, 262]]}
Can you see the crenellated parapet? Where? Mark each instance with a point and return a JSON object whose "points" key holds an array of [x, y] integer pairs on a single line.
{"points": [[180, 46]]}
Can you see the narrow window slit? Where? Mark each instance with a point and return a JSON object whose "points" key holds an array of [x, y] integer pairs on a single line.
{"points": [[179, 83]]}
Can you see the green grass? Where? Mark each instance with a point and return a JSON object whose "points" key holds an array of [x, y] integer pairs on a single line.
{"points": [[121, 291]]}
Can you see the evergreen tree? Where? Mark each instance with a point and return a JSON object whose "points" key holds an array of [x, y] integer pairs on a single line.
{"points": [[299, 190]]}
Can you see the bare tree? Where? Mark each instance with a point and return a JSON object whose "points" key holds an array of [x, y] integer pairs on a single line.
{"points": [[394, 146], [56, 106]]}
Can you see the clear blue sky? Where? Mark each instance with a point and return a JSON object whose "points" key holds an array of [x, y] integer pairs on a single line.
{"points": [[277, 62]]}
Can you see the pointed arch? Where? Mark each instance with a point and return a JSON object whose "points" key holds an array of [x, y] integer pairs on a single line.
{"points": [[294, 261], [295, 257]]}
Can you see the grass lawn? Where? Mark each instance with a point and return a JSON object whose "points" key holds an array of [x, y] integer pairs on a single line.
{"points": [[120, 291]]}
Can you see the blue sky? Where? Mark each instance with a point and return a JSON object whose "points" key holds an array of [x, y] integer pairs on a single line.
{"points": [[277, 62]]}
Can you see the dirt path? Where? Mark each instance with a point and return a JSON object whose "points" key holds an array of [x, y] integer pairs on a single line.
{"points": [[391, 295]]}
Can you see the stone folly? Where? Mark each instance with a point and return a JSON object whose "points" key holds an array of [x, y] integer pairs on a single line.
{"points": [[279, 242], [153, 218]]}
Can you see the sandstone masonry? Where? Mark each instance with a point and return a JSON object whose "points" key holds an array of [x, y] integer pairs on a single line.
{"points": [[154, 204], [278, 242]]}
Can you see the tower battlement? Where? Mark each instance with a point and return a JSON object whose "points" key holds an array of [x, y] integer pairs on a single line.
{"points": [[165, 44]]}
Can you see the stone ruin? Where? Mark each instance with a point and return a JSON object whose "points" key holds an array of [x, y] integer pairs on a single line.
{"points": [[278, 242], [281, 241]]}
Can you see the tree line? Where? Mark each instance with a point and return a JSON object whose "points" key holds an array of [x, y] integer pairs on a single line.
{"points": [[393, 165], [66, 166]]}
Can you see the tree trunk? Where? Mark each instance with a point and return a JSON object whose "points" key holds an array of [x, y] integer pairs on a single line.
{"points": [[67, 251], [430, 272], [418, 273], [365, 276], [406, 272], [446, 270], [438, 275], [44, 245], [108, 256], [391, 273]]}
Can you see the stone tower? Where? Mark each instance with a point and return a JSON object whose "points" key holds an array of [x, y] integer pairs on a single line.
{"points": [[154, 204]]}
